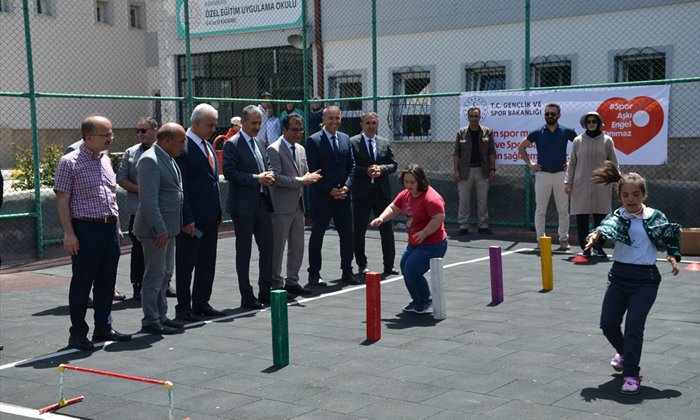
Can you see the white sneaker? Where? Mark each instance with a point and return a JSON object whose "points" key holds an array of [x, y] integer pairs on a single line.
{"points": [[563, 245]]}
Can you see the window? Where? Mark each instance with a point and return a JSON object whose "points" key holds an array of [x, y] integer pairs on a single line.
{"points": [[409, 118], [347, 85], [482, 76], [43, 7], [136, 16], [636, 65], [103, 14], [550, 71], [4, 7]]}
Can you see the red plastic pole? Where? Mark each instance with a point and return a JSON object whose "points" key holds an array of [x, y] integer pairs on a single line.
{"points": [[166, 384], [61, 404], [374, 306]]}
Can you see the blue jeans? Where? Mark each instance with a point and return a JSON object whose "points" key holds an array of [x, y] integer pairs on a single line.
{"points": [[415, 262], [636, 300]]}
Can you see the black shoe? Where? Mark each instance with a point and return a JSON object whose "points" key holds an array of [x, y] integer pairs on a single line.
{"points": [[316, 280], [348, 278], [485, 231], [110, 335], [118, 296], [137, 292], [297, 290], [252, 303], [80, 343], [463, 232], [264, 298], [172, 324], [90, 303], [390, 272], [186, 316], [159, 329], [363, 269], [170, 292], [207, 311]]}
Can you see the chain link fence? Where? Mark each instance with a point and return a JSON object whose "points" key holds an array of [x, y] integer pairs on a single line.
{"points": [[409, 61]]}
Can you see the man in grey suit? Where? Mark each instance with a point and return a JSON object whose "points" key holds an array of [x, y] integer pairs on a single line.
{"points": [[245, 168], [374, 162], [158, 220], [288, 164]]}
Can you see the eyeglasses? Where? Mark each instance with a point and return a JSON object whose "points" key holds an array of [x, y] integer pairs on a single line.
{"points": [[142, 130], [591, 121], [110, 135], [550, 114]]}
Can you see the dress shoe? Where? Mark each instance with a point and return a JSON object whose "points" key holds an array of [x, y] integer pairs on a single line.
{"points": [[316, 280], [264, 298], [137, 292], [185, 315], [350, 279], [172, 324], [207, 311], [485, 231], [463, 232], [252, 303], [390, 272], [80, 343], [170, 292], [110, 335], [118, 296], [363, 270], [297, 289], [159, 329]]}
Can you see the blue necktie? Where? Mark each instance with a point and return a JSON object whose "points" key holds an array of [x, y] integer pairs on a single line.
{"points": [[334, 143]]}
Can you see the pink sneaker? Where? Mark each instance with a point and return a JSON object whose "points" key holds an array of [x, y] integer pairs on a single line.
{"points": [[631, 385], [617, 362]]}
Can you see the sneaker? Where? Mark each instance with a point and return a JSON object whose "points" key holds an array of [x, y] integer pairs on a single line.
{"points": [[423, 307], [485, 231], [617, 362], [586, 253], [411, 307], [563, 245], [600, 253], [631, 385]]}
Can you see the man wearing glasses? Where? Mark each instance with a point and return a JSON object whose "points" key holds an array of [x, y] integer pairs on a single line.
{"points": [[551, 141], [146, 130], [85, 187]]}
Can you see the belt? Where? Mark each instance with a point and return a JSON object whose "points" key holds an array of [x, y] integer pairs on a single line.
{"points": [[105, 220], [553, 172], [478, 165]]}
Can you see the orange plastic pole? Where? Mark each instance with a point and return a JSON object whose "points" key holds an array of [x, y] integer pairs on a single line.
{"points": [[61, 404], [374, 306]]}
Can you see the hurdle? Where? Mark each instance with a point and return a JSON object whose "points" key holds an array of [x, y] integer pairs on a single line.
{"points": [[437, 275], [62, 402], [546, 260]]}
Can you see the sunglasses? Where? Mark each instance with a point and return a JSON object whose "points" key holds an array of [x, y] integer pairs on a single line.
{"points": [[591, 121], [142, 130], [550, 114]]}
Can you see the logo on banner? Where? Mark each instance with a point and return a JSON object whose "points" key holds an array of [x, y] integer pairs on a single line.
{"points": [[476, 101], [632, 123]]}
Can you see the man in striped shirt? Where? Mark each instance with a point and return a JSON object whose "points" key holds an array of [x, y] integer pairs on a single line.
{"points": [[85, 187]]}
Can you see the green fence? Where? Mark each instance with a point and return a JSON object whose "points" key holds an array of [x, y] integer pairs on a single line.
{"points": [[409, 61]]}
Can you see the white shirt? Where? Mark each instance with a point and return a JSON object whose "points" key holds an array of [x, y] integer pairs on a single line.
{"points": [[199, 142], [642, 251], [372, 145]]}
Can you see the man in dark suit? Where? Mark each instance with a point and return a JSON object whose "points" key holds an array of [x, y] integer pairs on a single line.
{"points": [[201, 216], [288, 163], [371, 192], [157, 222], [249, 203], [329, 150]]}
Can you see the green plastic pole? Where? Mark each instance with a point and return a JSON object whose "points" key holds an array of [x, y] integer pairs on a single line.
{"points": [[188, 62], [35, 134], [374, 55], [280, 328]]}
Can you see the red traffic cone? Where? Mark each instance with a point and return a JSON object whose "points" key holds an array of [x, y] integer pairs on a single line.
{"points": [[693, 267], [579, 259]]}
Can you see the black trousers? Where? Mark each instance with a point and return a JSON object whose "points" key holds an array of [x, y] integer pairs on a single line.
{"points": [[582, 229], [137, 264], [198, 254], [374, 203]]}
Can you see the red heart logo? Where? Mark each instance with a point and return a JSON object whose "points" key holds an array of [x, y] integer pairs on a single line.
{"points": [[631, 123]]}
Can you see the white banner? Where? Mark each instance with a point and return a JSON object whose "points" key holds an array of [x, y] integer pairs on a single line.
{"points": [[635, 117], [215, 17]]}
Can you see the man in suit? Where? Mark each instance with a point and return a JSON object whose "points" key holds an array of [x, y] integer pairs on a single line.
{"points": [[330, 151], [156, 224], [201, 217], [288, 164], [245, 168], [371, 192]]}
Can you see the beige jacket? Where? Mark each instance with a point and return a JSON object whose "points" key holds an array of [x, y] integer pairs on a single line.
{"points": [[588, 154]]}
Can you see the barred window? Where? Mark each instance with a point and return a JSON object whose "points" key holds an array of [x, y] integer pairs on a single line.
{"points": [[409, 118], [103, 14], [483, 76], [347, 85], [635, 65], [550, 71], [4, 7], [137, 16], [43, 7]]}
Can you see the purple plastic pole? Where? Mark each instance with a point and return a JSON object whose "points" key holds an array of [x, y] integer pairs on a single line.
{"points": [[496, 274]]}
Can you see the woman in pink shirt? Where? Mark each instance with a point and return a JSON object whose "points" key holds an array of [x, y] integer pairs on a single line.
{"points": [[424, 210]]}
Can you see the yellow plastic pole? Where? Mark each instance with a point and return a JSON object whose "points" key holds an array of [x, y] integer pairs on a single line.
{"points": [[546, 260]]}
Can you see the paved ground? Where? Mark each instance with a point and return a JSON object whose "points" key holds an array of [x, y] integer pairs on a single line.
{"points": [[536, 355]]}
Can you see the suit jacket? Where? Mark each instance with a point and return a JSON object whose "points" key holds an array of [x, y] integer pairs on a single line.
{"points": [[240, 168], [160, 195], [385, 160], [463, 149], [200, 185], [288, 187], [337, 170]]}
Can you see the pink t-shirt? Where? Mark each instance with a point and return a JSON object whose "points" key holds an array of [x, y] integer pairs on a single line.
{"points": [[419, 210]]}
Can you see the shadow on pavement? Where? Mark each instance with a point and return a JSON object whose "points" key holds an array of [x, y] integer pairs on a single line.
{"points": [[611, 391], [404, 320]]}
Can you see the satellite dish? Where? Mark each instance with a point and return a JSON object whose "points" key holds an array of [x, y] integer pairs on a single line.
{"points": [[296, 41]]}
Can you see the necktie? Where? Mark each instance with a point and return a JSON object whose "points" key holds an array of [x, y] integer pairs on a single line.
{"points": [[371, 149], [210, 158], [258, 156], [294, 156], [334, 143]]}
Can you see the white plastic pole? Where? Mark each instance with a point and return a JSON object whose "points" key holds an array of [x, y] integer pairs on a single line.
{"points": [[437, 275]]}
